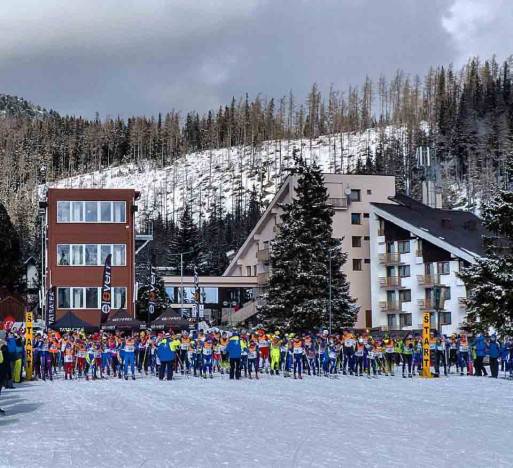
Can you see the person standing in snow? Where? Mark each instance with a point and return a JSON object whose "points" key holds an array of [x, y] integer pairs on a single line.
{"points": [[494, 352], [164, 355], [129, 357], [234, 351], [298, 351], [480, 349], [4, 364]]}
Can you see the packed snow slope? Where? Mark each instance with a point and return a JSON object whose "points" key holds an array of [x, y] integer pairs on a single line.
{"points": [[202, 178], [274, 422]]}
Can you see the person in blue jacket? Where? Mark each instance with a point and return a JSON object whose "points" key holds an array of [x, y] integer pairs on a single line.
{"points": [[494, 351], [234, 351], [480, 347], [165, 356]]}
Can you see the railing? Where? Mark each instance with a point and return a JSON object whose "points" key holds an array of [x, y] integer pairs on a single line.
{"points": [[389, 306], [393, 257], [263, 255], [390, 282], [428, 280], [424, 303], [263, 279], [462, 301], [338, 202]]}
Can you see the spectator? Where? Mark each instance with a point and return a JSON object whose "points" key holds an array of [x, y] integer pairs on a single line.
{"points": [[480, 347], [494, 351], [4, 366], [234, 351]]}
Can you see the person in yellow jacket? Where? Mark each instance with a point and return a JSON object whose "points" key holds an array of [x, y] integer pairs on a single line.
{"points": [[275, 355]]}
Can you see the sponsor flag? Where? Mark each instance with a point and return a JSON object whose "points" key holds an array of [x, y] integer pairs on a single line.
{"points": [[50, 307], [107, 287], [152, 293]]}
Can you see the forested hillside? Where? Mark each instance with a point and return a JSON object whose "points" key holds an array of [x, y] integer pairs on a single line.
{"points": [[465, 114]]}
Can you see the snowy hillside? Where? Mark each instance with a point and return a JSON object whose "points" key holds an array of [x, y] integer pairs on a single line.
{"points": [[15, 107], [201, 178]]}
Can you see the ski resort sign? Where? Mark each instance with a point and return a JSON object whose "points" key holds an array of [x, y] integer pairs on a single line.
{"points": [[29, 338]]}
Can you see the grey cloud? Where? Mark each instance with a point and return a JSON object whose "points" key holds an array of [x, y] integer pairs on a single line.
{"points": [[142, 57]]}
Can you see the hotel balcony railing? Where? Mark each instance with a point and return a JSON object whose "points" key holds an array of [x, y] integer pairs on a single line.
{"points": [[424, 303], [390, 306], [340, 203], [428, 280], [387, 258], [390, 282], [263, 255], [263, 278]]}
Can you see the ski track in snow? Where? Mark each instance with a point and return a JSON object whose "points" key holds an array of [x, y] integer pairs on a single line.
{"points": [[274, 422]]}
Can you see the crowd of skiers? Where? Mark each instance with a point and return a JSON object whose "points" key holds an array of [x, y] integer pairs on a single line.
{"points": [[249, 354]]}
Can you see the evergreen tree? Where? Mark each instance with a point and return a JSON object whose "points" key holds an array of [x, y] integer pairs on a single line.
{"points": [[299, 282], [10, 253], [186, 241], [489, 281], [161, 303]]}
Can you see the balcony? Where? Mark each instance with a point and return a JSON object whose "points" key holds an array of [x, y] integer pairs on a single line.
{"points": [[424, 304], [263, 279], [390, 282], [462, 302], [390, 306], [263, 255], [338, 203], [390, 258], [428, 280]]}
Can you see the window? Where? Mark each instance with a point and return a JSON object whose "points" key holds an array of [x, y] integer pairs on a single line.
{"points": [[355, 195], [447, 293], [403, 246], [405, 295], [366, 238], [63, 211], [356, 241], [444, 268], [405, 320], [77, 255], [404, 271], [105, 250], [119, 298], [63, 298], [365, 215], [357, 264], [63, 254], [106, 212], [391, 321], [118, 258], [369, 191], [445, 318], [91, 212], [77, 212], [356, 218], [91, 254], [91, 298], [248, 271], [367, 260], [119, 212], [77, 297], [390, 247]]}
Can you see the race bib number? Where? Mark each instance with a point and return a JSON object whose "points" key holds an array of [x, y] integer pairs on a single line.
{"points": [[349, 343], [358, 353], [68, 358], [129, 349], [252, 355], [370, 355], [184, 347], [333, 355], [298, 350], [389, 349], [463, 349], [207, 352]]}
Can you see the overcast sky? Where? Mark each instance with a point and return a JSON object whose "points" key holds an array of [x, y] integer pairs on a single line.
{"points": [[131, 57]]}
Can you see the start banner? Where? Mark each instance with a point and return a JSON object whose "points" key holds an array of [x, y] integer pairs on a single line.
{"points": [[426, 361], [29, 341]]}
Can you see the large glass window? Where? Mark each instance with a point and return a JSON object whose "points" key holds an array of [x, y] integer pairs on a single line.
{"points": [[391, 321], [119, 212], [119, 298], [77, 212], [106, 212], [91, 254], [77, 254], [444, 268], [403, 246], [78, 298], [355, 195], [404, 271], [91, 295], [63, 211], [106, 250], [356, 241], [91, 212], [405, 295], [63, 298], [63, 252], [356, 218], [118, 257], [405, 320]]}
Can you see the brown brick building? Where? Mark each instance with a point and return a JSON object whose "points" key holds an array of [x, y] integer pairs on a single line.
{"points": [[83, 227]]}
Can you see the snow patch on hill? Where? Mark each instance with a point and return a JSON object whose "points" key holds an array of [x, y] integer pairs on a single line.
{"points": [[222, 175]]}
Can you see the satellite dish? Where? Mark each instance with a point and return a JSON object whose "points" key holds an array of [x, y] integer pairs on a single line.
{"points": [[347, 191]]}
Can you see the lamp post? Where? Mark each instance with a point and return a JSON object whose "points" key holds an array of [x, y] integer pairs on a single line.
{"points": [[330, 314], [181, 275]]}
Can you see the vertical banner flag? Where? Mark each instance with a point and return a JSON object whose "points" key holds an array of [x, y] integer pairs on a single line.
{"points": [[196, 285], [29, 358], [426, 328], [152, 296], [106, 287], [50, 307]]}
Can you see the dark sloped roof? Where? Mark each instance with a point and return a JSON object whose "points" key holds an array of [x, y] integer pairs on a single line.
{"points": [[71, 321], [462, 229]]}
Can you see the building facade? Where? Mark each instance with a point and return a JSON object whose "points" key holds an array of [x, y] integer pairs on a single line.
{"points": [[351, 197], [83, 227], [415, 248]]}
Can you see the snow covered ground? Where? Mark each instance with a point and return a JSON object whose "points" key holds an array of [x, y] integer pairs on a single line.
{"points": [[274, 422]]}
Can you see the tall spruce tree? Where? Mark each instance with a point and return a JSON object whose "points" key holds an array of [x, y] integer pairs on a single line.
{"points": [[10, 253], [489, 281], [298, 292], [186, 241]]}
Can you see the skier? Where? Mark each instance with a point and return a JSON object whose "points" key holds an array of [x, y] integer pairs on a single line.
{"points": [[359, 356], [463, 348], [164, 355], [275, 355], [207, 358], [253, 361], [68, 362], [263, 346], [493, 351], [453, 352], [234, 353], [185, 344], [297, 349], [389, 356], [129, 357], [407, 355]]}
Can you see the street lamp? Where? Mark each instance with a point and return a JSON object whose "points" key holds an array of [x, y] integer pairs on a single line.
{"points": [[330, 314], [181, 274]]}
